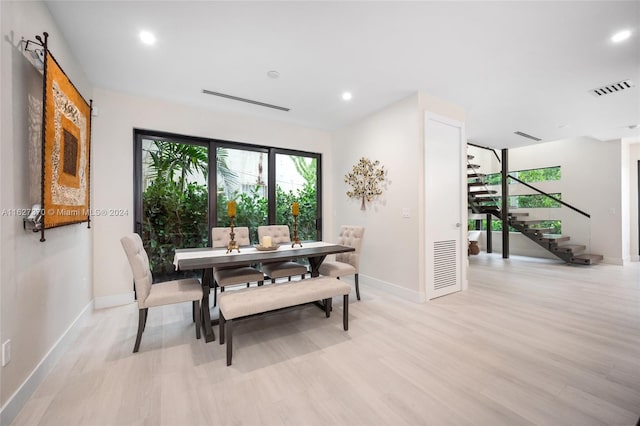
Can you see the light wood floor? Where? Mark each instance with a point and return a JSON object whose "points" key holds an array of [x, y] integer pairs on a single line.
{"points": [[530, 342]]}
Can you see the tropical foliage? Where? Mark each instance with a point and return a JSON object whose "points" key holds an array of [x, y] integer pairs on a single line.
{"points": [[175, 201], [174, 216], [528, 176]]}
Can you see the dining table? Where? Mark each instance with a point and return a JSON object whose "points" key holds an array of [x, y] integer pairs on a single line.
{"points": [[207, 258]]}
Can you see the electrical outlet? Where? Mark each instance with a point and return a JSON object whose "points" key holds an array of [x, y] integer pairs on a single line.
{"points": [[406, 213], [6, 352]]}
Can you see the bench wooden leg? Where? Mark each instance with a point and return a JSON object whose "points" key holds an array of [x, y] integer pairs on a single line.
{"points": [[345, 312], [229, 328], [221, 328], [327, 307]]}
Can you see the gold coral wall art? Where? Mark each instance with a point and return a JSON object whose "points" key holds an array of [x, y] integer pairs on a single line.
{"points": [[66, 153], [365, 179]]}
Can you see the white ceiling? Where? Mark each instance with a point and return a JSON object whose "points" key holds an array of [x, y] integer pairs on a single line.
{"points": [[513, 66]]}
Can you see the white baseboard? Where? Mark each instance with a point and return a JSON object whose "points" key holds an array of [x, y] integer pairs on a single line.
{"points": [[390, 288], [613, 261], [635, 258], [113, 300], [20, 397]]}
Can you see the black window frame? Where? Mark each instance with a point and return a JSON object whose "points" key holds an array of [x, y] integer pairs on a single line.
{"points": [[212, 146]]}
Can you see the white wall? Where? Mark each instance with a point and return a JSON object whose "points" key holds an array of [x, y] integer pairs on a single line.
{"points": [[112, 168], [634, 157], [393, 246], [625, 190], [390, 256], [45, 286]]}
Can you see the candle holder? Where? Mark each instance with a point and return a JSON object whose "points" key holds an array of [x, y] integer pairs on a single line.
{"points": [[295, 240], [233, 244]]}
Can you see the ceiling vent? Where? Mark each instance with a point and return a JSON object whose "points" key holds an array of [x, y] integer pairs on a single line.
{"points": [[249, 101], [613, 88], [524, 135]]}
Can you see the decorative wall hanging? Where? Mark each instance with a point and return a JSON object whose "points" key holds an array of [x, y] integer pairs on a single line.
{"points": [[365, 179], [66, 135]]}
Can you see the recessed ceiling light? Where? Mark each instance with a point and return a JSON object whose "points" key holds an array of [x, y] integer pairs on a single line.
{"points": [[147, 38], [621, 36], [273, 74], [346, 96]]}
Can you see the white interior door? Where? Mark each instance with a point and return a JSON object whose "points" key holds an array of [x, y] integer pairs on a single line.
{"points": [[445, 213]]}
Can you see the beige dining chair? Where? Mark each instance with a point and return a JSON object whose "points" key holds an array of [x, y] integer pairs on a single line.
{"points": [[165, 293], [279, 269], [346, 263], [232, 275]]}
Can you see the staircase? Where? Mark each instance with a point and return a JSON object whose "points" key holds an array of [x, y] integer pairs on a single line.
{"points": [[484, 201]]}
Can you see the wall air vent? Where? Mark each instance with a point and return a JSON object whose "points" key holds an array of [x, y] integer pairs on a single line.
{"points": [[524, 135], [249, 101], [613, 88]]}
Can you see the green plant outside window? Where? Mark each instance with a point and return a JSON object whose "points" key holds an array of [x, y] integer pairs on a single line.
{"points": [[528, 176]]}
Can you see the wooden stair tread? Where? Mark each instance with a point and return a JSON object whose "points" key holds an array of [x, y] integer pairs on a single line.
{"points": [[518, 214], [470, 157], [571, 248], [527, 222], [473, 166], [587, 259], [476, 184], [475, 176], [483, 192], [541, 231], [554, 238]]}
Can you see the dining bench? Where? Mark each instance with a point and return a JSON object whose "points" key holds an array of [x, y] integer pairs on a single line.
{"points": [[239, 304]]}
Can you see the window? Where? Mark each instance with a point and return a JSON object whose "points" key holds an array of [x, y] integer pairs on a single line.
{"points": [[297, 181], [242, 176], [496, 225], [528, 176], [172, 199], [182, 185]]}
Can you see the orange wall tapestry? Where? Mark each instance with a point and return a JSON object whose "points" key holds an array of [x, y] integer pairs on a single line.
{"points": [[66, 149]]}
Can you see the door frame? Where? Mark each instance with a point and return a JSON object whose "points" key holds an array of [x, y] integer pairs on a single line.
{"points": [[427, 287]]}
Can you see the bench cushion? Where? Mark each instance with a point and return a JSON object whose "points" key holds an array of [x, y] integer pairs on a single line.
{"points": [[255, 300]]}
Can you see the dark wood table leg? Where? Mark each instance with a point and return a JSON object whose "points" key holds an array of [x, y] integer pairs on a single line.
{"points": [[314, 263], [207, 276]]}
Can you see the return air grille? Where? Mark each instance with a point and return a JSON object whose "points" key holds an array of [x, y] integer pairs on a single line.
{"points": [[525, 135], [249, 101], [445, 271], [613, 88]]}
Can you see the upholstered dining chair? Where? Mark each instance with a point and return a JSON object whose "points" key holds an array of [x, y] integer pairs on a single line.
{"points": [[346, 263], [279, 235], [231, 275], [165, 293]]}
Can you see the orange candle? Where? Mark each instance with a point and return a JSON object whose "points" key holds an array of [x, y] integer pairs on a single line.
{"points": [[295, 209], [231, 208]]}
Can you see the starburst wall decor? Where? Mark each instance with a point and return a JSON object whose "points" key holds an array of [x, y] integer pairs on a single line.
{"points": [[365, 179]]}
